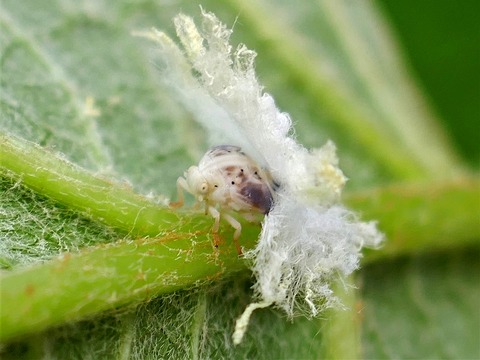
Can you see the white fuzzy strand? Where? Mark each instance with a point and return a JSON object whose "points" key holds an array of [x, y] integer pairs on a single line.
{"points": [[308, 239]]}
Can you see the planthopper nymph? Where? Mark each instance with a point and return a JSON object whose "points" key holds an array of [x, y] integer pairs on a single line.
{"points": [[227, 180]]}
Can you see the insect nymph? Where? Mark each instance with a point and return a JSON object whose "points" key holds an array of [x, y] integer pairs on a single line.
{"points": [[227, 180]]}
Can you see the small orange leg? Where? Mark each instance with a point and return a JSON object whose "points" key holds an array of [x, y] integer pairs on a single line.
{"points": [[216, 240], [235, 224], [216, 215]]}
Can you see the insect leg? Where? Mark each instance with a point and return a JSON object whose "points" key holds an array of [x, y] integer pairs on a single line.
{"points": [[238, 230], [181, 185], [216, 215]]}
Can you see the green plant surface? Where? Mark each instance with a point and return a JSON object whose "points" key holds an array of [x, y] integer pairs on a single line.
{"points": [[434, 34], [178, 251], [96, 266]]}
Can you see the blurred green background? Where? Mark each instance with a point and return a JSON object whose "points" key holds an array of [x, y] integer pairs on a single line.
{"points": [[441, 40], [63, 51]]}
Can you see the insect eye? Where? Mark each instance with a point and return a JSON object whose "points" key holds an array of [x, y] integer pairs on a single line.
{"points": [[203, 188]]}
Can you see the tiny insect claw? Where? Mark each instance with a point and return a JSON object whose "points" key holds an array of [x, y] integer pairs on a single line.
{"points": [[216, 240], [239, 249]]}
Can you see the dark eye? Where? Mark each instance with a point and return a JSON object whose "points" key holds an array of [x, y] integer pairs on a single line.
{"points": [[216, 185], [233, 182]]}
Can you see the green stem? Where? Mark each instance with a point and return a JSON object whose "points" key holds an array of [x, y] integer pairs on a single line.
{"points": [[75, 286], [422, 216], [112, 203], [179, 254], [413, 216]]}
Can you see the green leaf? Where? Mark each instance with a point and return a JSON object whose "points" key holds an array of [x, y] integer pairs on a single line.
{"points": [[75, 82], [423, 307], [174, 250]]}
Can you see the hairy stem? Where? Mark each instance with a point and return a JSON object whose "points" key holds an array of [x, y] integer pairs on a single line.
{"points": [[173, 250], [422, 216], [74, 286]]}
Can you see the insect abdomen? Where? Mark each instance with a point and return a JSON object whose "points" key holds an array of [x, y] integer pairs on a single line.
{"points": [[258, 195]]}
